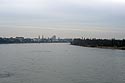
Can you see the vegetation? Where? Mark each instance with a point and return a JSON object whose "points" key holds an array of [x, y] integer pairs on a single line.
{"points": [[107, 43]]}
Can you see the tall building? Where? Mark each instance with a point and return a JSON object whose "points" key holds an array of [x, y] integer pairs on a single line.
{"points": [[42, 36], [39, 37]]}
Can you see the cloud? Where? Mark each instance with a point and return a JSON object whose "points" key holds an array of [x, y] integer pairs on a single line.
{"points": [[61, 14]]}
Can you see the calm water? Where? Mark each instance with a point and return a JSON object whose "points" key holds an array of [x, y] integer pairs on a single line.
{"points": [[60, 63]]}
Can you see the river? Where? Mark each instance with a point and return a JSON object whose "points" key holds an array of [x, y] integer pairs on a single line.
{"points": [[60, 63]]}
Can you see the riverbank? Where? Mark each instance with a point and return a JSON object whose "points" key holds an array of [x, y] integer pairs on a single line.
{"points": [[100, 43], [104, 47]]}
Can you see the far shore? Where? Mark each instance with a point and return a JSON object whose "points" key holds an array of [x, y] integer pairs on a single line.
{"points": [[100, 43], [104, 47], [119, 48]]}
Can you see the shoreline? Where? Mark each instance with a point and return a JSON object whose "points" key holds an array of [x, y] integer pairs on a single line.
{"points": [[35, 43], [100, 43], [120, 48], [103, 47]]}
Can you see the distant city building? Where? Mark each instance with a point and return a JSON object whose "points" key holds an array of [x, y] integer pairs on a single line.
{"points": [[53, 38], [20, 38], [42, 36], [39, 37]]}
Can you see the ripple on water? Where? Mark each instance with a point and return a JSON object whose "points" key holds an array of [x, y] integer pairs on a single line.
{"points": [[41, 51], [5, 74]]}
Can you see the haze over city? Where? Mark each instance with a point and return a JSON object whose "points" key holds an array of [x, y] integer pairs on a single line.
{"points": [[64, 18]]}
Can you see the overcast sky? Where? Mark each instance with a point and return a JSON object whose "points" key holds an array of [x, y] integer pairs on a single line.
{"points": [[65, 18]]}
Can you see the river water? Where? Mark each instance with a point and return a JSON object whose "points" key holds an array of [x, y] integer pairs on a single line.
{"points": [[60, 63]]}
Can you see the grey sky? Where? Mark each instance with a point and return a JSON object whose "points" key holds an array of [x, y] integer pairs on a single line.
{"points": [[74, 17]]}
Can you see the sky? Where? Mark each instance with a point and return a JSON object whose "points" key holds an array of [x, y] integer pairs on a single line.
{"points": [[64, 18]]}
